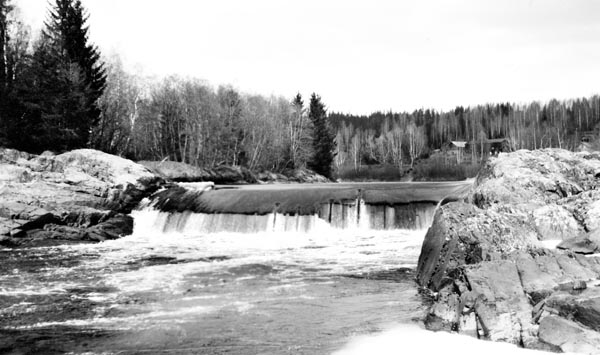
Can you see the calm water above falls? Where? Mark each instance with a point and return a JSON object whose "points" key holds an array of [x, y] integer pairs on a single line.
{"points": [[213, 293]]}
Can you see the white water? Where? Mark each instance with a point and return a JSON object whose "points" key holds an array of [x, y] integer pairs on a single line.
{"points": [[356, 216], [243, 293]]}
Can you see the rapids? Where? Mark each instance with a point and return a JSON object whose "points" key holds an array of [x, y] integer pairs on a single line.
{"points": [[197, 283], [177, 291]]}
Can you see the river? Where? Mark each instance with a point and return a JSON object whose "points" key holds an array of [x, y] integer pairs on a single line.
{"points": [[169, 289], [234, 293]]}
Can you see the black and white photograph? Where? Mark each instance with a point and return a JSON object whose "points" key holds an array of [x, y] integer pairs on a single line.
{"points": [[344, 177]]}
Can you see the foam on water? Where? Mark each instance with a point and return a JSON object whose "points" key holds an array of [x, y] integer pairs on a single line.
{"points": [[287, 283]]}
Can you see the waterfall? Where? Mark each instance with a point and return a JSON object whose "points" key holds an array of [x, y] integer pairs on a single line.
{"points": [[196, 209], [349, 215]]}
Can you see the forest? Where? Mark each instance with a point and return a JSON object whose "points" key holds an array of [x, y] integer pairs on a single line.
{"points": [[59, 92]]}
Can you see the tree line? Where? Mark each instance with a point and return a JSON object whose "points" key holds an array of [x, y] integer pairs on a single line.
{"points": [[57, 93], [49, 87], [189, 121], [402, 138]]}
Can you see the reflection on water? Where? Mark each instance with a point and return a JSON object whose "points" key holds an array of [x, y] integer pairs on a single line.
{"points": [[212, 293]]}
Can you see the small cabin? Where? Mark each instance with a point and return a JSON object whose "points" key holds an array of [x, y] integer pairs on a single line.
{"points": [[454, 150], [491, 146]]}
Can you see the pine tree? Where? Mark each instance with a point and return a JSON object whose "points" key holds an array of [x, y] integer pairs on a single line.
{"points": [[323, 139]]}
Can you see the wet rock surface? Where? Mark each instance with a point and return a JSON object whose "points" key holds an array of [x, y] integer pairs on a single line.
{"points": [[79, 196], [485, 263]]}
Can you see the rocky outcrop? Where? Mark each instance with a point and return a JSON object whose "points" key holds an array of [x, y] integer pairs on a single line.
{"points": [[227, 175], [181, 172], [485, 263], [82, 195]]}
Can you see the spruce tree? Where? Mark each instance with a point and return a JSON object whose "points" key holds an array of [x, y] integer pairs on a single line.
{"points": [[67, 78], [323, 138], [67, 26]]}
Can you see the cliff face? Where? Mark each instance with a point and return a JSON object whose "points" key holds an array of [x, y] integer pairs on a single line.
{"points": [[82, 195], [486, 266]]}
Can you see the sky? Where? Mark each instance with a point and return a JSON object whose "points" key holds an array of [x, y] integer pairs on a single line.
{"points": [[359, 56]]}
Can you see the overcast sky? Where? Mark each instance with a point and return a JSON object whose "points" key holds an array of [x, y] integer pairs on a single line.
{"points": [[360, 56]]}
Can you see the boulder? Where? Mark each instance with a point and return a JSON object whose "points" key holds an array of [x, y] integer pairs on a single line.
{"points": [[59, 197], [487, 257], [463, 234]]}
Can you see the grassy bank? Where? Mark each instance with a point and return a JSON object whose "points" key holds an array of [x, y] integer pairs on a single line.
{"points": [[431, 169], [442, 170], [372, 173]]}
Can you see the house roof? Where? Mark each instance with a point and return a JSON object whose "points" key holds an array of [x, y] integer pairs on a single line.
{"points": [[497, 140], [490, 141]]}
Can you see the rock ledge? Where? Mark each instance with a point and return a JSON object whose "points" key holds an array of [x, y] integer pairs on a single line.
{"points": [[484, 262], [79, 196]]}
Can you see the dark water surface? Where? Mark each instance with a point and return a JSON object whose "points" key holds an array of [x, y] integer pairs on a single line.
{"points": [[155, 293]]}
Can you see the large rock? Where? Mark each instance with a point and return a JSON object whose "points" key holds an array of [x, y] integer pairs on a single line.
{"points": [[525, 177], [463, 234], [485, 263], [82, 195]]}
